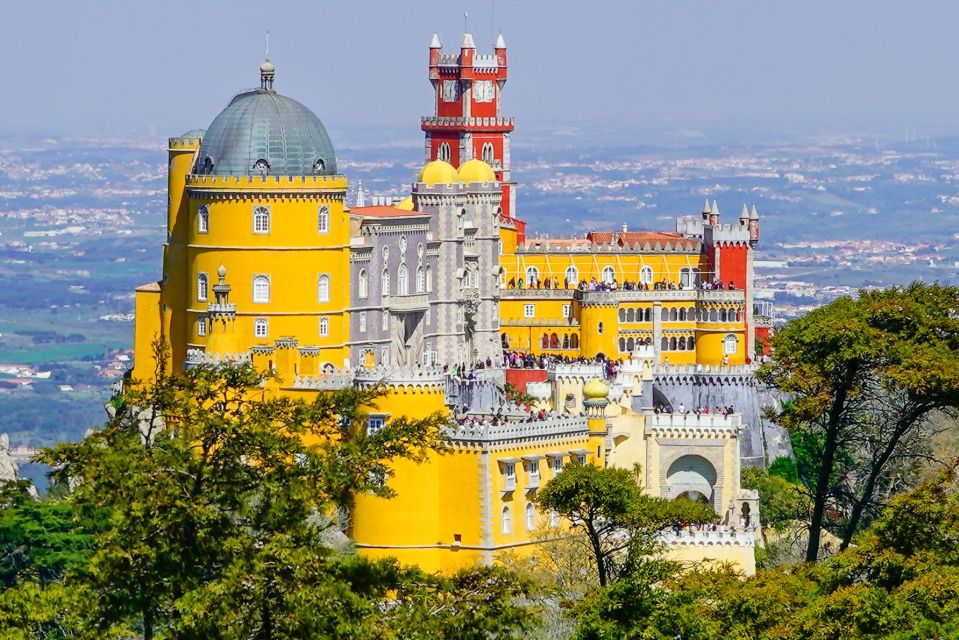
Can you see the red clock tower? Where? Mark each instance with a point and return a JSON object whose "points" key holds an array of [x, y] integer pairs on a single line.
{"points": [[467, 122]]}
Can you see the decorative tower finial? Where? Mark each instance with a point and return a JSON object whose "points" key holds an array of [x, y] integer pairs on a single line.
{"points": [[500, 41], [267, 69], [467, 36]]}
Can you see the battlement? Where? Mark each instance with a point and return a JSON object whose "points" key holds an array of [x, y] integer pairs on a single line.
{"points": [[575, 370], [730, 233], [432, 377], [663, 421], [196, 357], [704, 369], [451, 122], [555, 427], [722, 536], [323, 381], [549, 244], [186, 144], [306, 183]]}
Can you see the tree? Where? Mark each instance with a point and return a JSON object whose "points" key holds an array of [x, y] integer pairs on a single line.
{"points": [[862, 376], [220, 500], [620, 522]]}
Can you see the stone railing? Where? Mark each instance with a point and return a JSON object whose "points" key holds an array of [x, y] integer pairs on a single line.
{"points": [[577, 370], [324, 381], [452, 121], [713, 369], [401, 376], [195, 357], [519, 430], [219, 309], [664, 295], [542, 294], [407, 302], [721, 537], [691, 424]]}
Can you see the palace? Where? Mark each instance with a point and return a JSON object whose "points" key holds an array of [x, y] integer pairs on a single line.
{"points": [[442, 297]]}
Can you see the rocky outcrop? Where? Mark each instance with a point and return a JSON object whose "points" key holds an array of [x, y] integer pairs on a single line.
{"points": [[8, 467]]}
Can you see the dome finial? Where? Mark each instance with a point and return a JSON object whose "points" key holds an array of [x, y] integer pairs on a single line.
{"points": [[267, 69]]}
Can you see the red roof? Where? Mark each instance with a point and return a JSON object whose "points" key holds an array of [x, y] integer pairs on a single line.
{"points": [[632, 237], [383, 211]]}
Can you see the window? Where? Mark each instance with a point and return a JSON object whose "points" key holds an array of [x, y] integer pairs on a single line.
{"points": [[385, 321], [374, 424], [385, 282], [553, 519], [261, 220], [429, 278], [420, 280], [323, 288], [261, 328], [530, 516], [567, 310], [688, 278], [262, 166], [402, 281], [364, 284], [533, 473], [203, 219], [323, 220], [444, 152], [609, 274], [578, 458], [557, 464], [600, 328], [529, 310], [509, 476], [507, 521], [532, 275], [201, 327], [428, 316], [730, 344], [261, 288], [488, 153], [324, 327], [646, 275], [403, 244], [362, 322], [386, 253], [385, 356], [202, 287], [419, 250], [572, 276]]}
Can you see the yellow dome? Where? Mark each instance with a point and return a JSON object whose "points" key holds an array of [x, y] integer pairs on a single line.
{"points": [[595, 390], [438, 172], [476, 170], [406, 204]]}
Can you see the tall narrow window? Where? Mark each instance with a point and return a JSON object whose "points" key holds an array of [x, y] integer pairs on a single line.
{"points": [[261, 328], [609, 274], [201, 327], [429, 278], [646, 275], [530, 516], [402, 281], [323, 220], [443, 153], [324, 327], [507, 521], [420, 280], [385, 321], [488, 153], [385, 282], [572, 276], [532, 275], [363, 285], [261, 220], [362, 322], [202, 287], [261, 288], [323, 288], [203, 219]]}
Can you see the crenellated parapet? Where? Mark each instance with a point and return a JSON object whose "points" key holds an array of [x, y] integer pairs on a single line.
{"points": [[196, 357], [323, 381], [511, 433], [403, 380], [693, 426], [721, 536]]}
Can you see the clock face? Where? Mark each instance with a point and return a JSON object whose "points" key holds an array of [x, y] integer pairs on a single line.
{"points": [[451, 90], [483, 91]]}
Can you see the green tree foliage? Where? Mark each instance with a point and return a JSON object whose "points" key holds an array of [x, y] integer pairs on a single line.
{"points": [[781, 503], [220, 504], [863, 377], [620, 522]]}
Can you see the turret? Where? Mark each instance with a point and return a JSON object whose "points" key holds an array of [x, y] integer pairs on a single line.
{"points": [[436, 50], [706, 210], [714, 214], [467, 50], [595, 401], [744, 215], [753, 227]]}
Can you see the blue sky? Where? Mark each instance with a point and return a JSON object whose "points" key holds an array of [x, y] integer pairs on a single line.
{"points": [[155, 67]]}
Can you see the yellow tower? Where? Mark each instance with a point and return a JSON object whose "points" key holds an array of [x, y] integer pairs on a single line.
{"points": [[595, 401]]}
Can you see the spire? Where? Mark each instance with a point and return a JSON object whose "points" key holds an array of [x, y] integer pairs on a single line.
{"points": [[500, 41], [435, 42], [360, 194], [744, 214], [267, 69], [467, 36], [754, 215], [715, 210], [706, 207]]}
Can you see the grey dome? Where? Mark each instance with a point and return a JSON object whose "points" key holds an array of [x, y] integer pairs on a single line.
{"points": [[263, 125]]}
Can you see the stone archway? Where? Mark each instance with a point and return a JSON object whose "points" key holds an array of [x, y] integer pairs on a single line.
{"points": [[691, 475]]}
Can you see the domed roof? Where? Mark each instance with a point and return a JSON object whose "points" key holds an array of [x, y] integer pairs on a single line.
{"points": [[595, 390], [438, 172], [406, 204], [262, 132], [476, 170]]}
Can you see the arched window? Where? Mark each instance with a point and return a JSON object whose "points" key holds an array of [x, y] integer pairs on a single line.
{"points": [[622, 344], [682, 315], [403, 245], [600, 327], [261, 219], [609, 274], [722, 315], [544, 341], [673, 315], [672, 344], [203, 219], [507, 521], [324, 327], [385, 321], [622, 315], [323, 288], [202, 287], [532, 276], [730, 344], [554, 341], [488, 153], [420, 280], [574, 341], [364, 284], [664, 345], [429, 278], [566, 341], [691, 343], [572, 276], [664, 315], [646, 275], [648, 315], [504, 340], [530, 516], [323, 220], [385, 280], [630, 344], [362, 322], [682, 343], [631, 315], [402, 281], [443, 153], [261, 288], [713, 315], [261, 328]]}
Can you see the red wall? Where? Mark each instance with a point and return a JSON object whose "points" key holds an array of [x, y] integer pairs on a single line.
{"points": [[519, 378], [732, 264]]}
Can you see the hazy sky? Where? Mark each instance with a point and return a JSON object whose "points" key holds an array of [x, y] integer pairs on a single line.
{"points": [[116, 66]]}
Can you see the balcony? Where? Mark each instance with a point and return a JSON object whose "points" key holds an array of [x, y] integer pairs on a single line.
{"points": [[532, 482], [407, 303], [509, 484]]}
